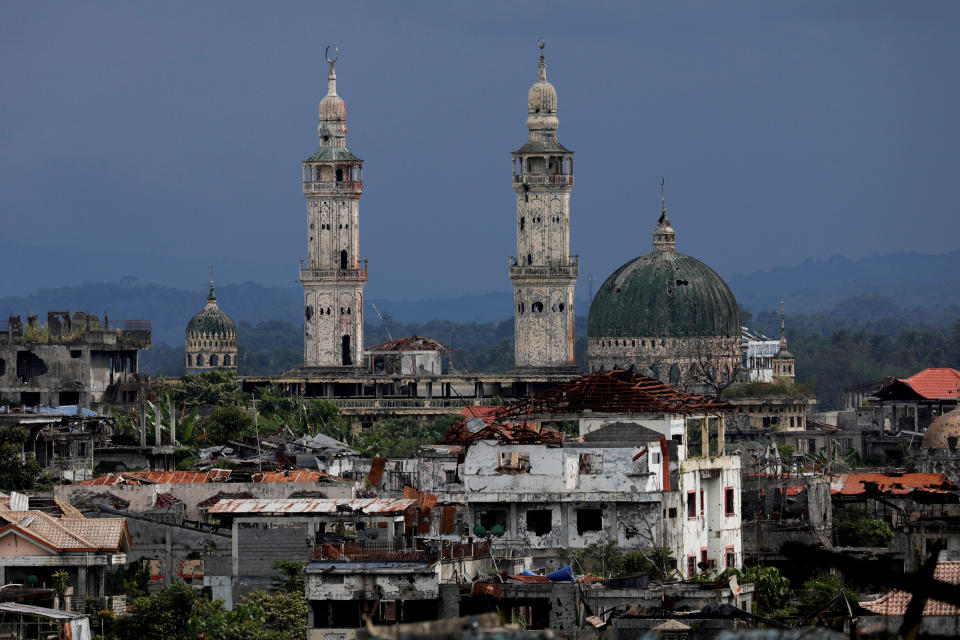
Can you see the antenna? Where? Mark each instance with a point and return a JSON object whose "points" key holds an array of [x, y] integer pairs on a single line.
{"points": [[382, 322]]}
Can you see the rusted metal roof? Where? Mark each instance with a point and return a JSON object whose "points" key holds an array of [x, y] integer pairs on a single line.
{"points": [[285, 506], [160, 477], [296, 475], [413, 343], [616, 392], [377, 467], [853, 484], [206, 477]]}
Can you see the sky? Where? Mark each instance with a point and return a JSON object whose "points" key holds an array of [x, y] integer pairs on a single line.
{"points": [[157, 139]]}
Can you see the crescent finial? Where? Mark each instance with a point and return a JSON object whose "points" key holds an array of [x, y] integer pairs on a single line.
{"points": [[541, 43], [336, 50]]}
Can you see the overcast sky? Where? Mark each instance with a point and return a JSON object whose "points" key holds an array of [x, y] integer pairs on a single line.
{"points": [[170, 134]]}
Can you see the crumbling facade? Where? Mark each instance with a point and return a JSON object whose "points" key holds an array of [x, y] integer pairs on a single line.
{"points": [[543, 272], [72, 360], [332, 277]]}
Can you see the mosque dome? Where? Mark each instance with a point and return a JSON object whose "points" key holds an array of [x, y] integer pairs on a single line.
{"points": [[211, 321], [943, 427], [664, 293], [211, 338]]}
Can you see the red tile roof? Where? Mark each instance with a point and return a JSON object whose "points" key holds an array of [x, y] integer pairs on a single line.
{"points": [[853, 484], [935, 384], [69, 534], [895, 603]]}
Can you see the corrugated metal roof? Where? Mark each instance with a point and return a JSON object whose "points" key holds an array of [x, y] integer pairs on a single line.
{"points": [[42, 612], [413, 343], [284, 506]]}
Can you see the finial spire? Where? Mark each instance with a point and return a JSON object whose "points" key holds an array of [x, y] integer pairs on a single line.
{"points": [[663, 202], [211, 297], [664, 237], [783, 331], [541, 43], [332, 76]]}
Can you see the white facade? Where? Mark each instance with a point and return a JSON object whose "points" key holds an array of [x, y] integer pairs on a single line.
{"points": [[332, 276], [758, 352], [543, 272], [634, 492]]}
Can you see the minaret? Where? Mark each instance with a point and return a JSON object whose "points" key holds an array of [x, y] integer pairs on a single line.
{"points": [[543, 272], [783, 361], [332, 276]]}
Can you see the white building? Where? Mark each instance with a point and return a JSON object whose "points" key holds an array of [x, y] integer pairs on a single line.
{"points": [[630, 479], [758, 353]]}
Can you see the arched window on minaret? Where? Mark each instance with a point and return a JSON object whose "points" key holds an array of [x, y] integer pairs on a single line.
{"points": [[343, 259], [339, 174]]}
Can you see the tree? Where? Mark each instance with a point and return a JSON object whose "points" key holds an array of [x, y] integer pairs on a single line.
{"points": [[220, 388], [820, 590], [771, 590], [16, 473], [61, 580], [228, 423], [290, 577]]}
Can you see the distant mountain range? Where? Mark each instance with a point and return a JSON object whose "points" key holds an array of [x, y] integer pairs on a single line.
{"points": [[890, 285]]}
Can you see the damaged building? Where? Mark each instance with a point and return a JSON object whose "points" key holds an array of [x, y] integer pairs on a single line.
{"points": [[71, 360], [629, 478]]}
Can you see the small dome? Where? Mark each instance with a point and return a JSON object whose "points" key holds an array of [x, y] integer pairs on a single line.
{"points": [[783, 354], [943, 427], [542, 103], [332, 109], [211, 322]]}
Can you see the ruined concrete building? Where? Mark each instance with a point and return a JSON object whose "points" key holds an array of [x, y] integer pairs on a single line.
{"points": [[628, 479], [72, 360], [211, 338], [543, 272], [332, 277]]}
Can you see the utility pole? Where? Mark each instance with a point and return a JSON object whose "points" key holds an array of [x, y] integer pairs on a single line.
{"points": [[256, 428]]}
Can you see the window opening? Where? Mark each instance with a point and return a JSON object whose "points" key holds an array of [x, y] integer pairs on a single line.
{"points": [[513, 462], [691, 504], [539, 521], [728, 501], [346, 358], [589, 520]]}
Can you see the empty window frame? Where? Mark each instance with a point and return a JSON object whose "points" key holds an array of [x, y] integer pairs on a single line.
{"points": [[591, 463], [691, 504], [691, 566], [513, 462], [539, 521], [589, 520], [729, 506], [731, 558]]}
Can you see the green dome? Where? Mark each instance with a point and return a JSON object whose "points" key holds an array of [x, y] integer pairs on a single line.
{"points": [[664, 293], [211, 321]]}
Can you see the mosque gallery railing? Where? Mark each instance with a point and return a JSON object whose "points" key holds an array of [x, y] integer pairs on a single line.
{"points": [[561, 271], [532, 178], [342, 275], [324, 186]]}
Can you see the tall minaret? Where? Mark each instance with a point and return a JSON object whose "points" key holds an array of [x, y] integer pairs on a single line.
{"points": [[332, 276], [543, 273]]}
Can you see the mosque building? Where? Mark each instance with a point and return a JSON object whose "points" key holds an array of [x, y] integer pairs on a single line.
{"points": [[668, 316], [211, 338]]}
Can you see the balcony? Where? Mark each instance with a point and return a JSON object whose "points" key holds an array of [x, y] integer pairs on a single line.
{"points": [[335, 187], [336, 275], [546, 270], [538, 179]]}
